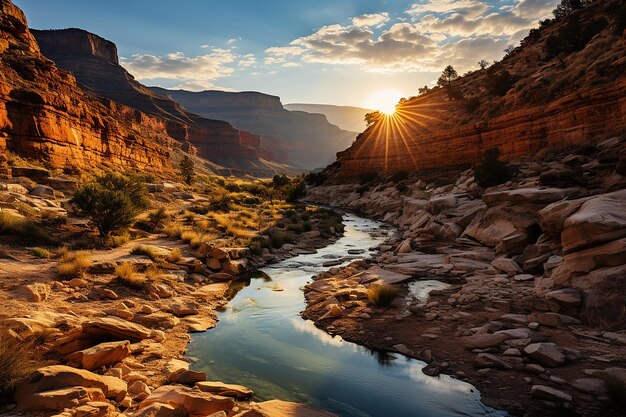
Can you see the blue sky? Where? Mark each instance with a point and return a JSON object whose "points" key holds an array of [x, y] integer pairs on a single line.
{"points": [[316, 51]]}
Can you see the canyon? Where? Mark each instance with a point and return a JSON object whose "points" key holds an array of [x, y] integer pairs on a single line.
{"points": [[546, 106]]}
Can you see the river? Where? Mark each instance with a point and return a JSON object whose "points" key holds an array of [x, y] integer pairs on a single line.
{"points": [[262, 342]]}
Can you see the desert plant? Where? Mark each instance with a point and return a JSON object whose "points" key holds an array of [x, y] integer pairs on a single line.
{"points": [[615, 386], [115, 241], [153, 273], [127, 274], [146, 250], [491, 171], [11, 224], [187, 169], [448, 75], [157, 218], [111, 202], [278, 239], [17, 360], [173, 230], [42, 253], [499, 82], [73, 264], [174, 256], [382, 294]]}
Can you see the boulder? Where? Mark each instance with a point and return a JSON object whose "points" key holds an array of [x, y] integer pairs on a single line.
{"points": [[506, 265], [547, 354], [43, 191], [568, 297], [55, 379], [60, 399], [599, 219], [235, 267], [116, 387], [186, 377], [34, 173], [546, 393], [277, 408], [37, 292], [160, 410], [483, 340], [405, 246], [115, 328], [103, 354], [225, 390], [534, 195], [194, 401]]}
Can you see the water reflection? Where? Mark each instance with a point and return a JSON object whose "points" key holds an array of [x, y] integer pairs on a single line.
{"points": [[261, 342]]}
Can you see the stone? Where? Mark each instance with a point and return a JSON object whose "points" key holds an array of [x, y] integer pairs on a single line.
{"points": [[184, 309], [556, 320], [590, 386], [235, 267], [405, 246], [116, 387], [194, 401], [547, 354], [615, 338], [55, 379], [116, 328], [37, 292], [600, 219], [160, 410], [78, 283], [186, 377], [60, 399], [483, 340], [43, 191], [568, 297], [108, 294], [506, 265], [225, 390], [103, 354], [139, 389], [278, 408], [546, 393], [487, 360]]}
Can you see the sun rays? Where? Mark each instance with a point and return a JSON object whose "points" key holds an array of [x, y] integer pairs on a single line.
{"points": [[394, 135]]}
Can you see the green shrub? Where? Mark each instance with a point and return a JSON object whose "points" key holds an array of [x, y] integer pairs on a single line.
{"points": [[491, 171], [382, 294], [278, 239], [316, 178], [111, 202], [157, 218]]}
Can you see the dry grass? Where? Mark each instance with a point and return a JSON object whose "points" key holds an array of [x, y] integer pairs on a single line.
{"points": [[173, 230], [10, 224], [382, 294], [174, 256], [118, 240], [42, 253], [73, 264], [616, 390], [127, 274], [17, 360], [153, 273], [146, 250]]}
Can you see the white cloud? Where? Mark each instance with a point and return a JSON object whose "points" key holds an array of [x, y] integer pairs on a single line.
{"points": [[198, 70], [248, 60], [464, 7], [373, 19]]}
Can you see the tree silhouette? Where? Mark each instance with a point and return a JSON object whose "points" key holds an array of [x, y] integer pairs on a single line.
{"points": [[566, 8], [447, 76], [372, 117], [483, 64], [187, 170]]}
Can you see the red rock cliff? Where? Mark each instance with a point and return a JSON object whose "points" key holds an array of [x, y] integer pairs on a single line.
{"points": [[548, 106], [45, 115]]}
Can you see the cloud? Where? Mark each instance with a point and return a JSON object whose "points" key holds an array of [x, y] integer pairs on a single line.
{"points": [[248, 60], [198, 70], [373, 19], [459, 32]]}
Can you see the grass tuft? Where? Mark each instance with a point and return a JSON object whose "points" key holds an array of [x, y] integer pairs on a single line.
{"points": [[127, 274], [146, 250], [382, 294], [42, 253], [73, 264], [174, 256], [616, 390], [17, 360], [10, 224]]}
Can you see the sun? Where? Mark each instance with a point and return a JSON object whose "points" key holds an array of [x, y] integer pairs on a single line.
{"points": [[384, 101]]}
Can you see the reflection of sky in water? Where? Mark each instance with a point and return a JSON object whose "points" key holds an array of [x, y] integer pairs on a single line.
{"points": [[262, 343]]}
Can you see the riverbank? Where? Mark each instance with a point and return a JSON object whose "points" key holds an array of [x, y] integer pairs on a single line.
{"points": [[112, 337], [534, 317]]}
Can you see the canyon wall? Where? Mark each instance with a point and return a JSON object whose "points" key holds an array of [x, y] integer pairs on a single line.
{"points": [[45, 115], [530, 101], [572, 120], [82, 53]]}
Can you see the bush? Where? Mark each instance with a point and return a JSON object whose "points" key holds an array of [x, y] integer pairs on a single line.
{"points": [[399, 176], [278, 239], [382, 294], [42, 253], [127, 274], [173, 230], [13, 225], [296, 191], [157, 218], [17, 360], [368, 177], [316, 178], [111, 202], [174, 256], [73, 264], [115, 241], [615, 389], [491, 171], [498, 83]]}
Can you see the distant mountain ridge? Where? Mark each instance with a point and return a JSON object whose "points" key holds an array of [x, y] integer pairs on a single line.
{"points": [[346, 117], [306, 140]]}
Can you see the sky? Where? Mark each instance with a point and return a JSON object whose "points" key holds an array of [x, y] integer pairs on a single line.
{"points": [[345, 52]]}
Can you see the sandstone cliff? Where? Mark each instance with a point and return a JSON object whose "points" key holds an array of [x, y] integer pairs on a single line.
{"points": [[306, 140], [546, 105], [94, 62], [45, 115]]}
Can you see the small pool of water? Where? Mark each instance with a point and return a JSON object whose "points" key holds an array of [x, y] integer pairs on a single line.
{"points": [[262, 342]]}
